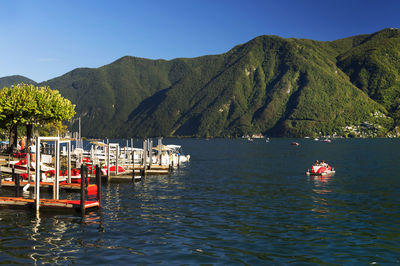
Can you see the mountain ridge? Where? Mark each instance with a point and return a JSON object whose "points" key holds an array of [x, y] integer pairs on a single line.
{"points": [[270, 85]]}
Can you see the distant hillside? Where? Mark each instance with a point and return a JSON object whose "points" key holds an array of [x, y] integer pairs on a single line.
{"points": [[12, 80], [276, 86], [269, 85], [374, 67]]}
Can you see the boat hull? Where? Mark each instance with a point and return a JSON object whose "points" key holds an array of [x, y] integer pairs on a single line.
{"points": [[320, 174], [321, 170]]}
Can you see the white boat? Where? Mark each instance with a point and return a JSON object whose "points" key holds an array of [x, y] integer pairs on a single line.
{"points": [[326, 140]]}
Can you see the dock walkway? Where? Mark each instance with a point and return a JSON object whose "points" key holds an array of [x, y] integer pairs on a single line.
{"points": [[47, 203], [48, 185]]}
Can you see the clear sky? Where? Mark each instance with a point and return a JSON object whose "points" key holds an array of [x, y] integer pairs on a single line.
{"points": [[44, 39]]}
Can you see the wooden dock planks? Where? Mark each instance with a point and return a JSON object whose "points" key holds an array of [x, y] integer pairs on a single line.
{"points": [[70, 186], [47, 203], [8, 170]]}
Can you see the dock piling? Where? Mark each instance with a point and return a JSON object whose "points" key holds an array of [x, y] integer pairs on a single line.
{"points": [[98, 183], [83, 188], [133, 166], [150, 149], [15, 177], [145, 156], [159, 150]]}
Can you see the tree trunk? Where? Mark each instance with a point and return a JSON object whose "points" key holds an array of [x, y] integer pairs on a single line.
{"points": [[13, 141], [15, 138], [29, 130]]}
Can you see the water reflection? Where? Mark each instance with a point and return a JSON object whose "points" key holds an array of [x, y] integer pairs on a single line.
{"points": [[320, 191], [52, 238], [93, 218], [227, 211], [35, 236]]}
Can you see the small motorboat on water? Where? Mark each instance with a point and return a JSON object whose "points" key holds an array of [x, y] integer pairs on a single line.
{"points": [[321, 169], [295, 143]]}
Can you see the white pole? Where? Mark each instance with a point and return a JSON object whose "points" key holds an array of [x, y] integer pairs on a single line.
{"points": [[108, 159], [37, 174], [133, 155], [56, 192], [79, 137], [116, 158], [159, 150], [69, 161]]}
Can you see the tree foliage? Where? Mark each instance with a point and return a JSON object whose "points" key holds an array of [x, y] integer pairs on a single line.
{"points": [[27, 105]]}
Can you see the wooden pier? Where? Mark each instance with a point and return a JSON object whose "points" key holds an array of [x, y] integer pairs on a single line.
{"points": [[145, 163], [55, 203], [136, 175], [47, 185], [8, 170], [148, 163], [48, 203], [122, 177]]}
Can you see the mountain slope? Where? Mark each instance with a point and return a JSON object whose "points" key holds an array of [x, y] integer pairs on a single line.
{"points": [[269, 85], [374, 67], [105, 96], [280, 87]]}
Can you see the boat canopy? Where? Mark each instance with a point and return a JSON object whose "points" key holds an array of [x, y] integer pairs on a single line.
{"points": [[163, 148], [171, 146], [98, 143]]}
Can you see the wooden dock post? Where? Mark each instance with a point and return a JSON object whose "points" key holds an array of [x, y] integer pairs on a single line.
{"points": [[15, 177], [133, 158], [98, 183], [132, 151], [150, 149], [83, 188], [28, 165], [159, 150], [144, 156], [171, 161], [133, 165]]}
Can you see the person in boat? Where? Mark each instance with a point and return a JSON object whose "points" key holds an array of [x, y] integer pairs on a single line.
{"points": [[323, 163], [316, 163]]}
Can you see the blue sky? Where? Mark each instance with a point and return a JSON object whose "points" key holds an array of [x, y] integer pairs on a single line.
{"points": [[45, 39]]}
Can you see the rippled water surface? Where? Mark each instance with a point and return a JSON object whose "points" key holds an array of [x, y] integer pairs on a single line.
{"points": [[236, 202]]}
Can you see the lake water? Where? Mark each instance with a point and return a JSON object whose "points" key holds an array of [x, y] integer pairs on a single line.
{"points": [[236, 202]]}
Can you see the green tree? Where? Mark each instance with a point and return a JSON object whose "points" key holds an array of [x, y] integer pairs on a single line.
{"points": [[27, 105]]}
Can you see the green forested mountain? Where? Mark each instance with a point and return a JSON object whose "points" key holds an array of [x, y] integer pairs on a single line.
{"points": [[269, 85], [13, 80]]}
